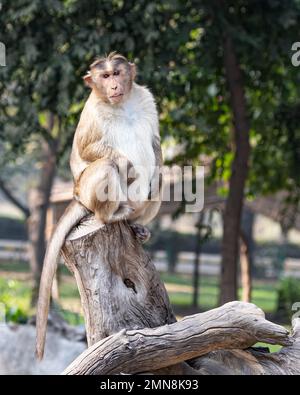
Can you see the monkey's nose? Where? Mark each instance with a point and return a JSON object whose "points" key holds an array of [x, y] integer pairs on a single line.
{"points": [[114, 88]]}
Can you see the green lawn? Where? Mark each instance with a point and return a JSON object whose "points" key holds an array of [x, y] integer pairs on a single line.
{"points": [[15, 299]]}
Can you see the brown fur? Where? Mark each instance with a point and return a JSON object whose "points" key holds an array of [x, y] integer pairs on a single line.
{"points": [[111, 79]]}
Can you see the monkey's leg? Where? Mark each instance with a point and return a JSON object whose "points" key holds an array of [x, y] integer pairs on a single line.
{"points": [[124, 211], [101, 192], [98, 187], [138, 220]]}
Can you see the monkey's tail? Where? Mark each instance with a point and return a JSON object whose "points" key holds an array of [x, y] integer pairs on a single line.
{"points": [[73, 214]]}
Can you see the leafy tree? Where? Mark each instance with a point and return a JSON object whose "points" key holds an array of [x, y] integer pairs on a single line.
{"points": [[190, 54], [241, 77], [49, 47]]}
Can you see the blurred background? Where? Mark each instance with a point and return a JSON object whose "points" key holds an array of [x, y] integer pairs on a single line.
{"points": [[226, 81]]}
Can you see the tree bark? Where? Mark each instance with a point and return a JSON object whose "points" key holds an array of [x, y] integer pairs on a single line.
{"points": [[254, 362], [239, 172], [38, 204]]}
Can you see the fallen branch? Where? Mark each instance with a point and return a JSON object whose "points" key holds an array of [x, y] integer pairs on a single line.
{"points": [[235, 325], [252, 361]]}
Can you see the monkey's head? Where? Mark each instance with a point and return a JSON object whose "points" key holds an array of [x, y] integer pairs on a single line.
{"points": [[111, 77]]}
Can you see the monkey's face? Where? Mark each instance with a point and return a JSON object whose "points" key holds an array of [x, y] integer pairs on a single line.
{"points": [[112, 80], [116, 82]]}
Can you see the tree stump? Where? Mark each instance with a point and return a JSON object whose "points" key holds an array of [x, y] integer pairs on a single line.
{"points": [[131, 327], [118, 284]]}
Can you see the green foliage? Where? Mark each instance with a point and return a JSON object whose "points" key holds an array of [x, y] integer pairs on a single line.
{"points": [[14, 298], [178, 47], [288, 293], [71, 317]]}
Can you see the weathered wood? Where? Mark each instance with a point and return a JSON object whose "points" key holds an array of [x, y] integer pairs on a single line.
{"points": [[118, 283], [235, 325], [254, 362], [131, 327]]}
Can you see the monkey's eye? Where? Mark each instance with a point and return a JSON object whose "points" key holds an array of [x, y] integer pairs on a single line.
{"points": [[105, 75], [116, 72]]}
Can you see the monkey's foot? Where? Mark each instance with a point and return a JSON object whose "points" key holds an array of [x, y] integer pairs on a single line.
{"points": [[122, 213], [142, 233]]}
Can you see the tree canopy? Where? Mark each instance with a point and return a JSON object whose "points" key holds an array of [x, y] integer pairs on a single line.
{"points": [[178, 48]]}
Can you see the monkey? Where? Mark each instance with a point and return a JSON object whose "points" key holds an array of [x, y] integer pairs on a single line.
{"points": [[116, 144]]}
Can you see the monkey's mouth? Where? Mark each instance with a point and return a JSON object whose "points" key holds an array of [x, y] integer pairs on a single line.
{"points": [[115, 96]]}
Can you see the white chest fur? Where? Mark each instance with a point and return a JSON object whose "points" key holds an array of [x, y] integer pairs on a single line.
{"points": [[130, 129]]}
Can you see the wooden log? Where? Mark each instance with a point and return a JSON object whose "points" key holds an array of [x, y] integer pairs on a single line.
{"points": [[118, 284], [131, 327], [252, 361], [236, 325]]}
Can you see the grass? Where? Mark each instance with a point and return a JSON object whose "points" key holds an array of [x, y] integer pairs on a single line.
{"points": [[14, 300], [264, 294], [271, 347]]}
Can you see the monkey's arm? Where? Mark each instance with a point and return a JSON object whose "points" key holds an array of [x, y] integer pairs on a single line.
{"points": [[157, 151], [89, 141], [97, 150], [156, 181], [155, 194], [153, 204]]}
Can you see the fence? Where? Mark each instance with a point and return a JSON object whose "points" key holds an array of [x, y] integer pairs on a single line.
{"points": [[210, 264]]}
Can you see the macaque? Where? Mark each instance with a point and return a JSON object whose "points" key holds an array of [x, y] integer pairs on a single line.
{"points": [[116, 147]]}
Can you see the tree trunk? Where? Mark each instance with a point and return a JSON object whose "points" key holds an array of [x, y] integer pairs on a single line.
{"points": [[13, 199], [172, 253], [196, 272], [131, 327], [38, 205], [118, 284], [248, 220], [246, 268], [117, 281], [239, 171]]}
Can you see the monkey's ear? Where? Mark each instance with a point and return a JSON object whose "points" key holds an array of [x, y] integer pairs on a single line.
{"points": [[132, 70], [88, 79]]}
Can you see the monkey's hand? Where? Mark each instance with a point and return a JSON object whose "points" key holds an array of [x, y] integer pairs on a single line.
{"points": [[126, 170], [142, 233], [155, 185], [100, 149], [124, 211]]}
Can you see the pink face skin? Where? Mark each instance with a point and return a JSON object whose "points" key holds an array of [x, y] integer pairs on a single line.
{"points": [[112, 82], [115, 83]]}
